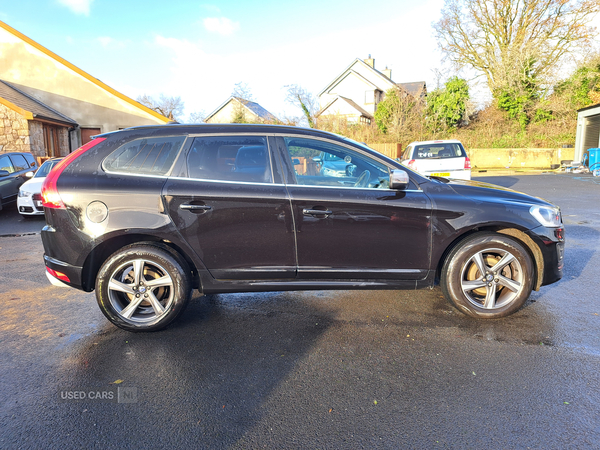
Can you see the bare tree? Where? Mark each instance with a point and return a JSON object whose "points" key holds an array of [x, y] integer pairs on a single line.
{"points": [[243, 92], [304, 100], [514, 42], [171, 107], [197, 116]]}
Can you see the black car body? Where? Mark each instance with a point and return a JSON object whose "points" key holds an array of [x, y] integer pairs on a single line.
{"points": [[145, 214], [13, 169]]}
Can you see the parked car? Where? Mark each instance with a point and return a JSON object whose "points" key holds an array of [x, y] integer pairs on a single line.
{"points": [[446, 158], [13, 169], [144, 215], [29, 201], [334, 166]]}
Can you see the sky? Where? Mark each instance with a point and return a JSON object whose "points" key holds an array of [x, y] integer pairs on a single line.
{"points": [[199, 50]]}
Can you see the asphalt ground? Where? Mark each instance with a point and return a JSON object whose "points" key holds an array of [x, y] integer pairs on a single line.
{"points": [[324, 369]]}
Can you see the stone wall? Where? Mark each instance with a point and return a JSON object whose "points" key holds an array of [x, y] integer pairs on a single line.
{"points": [[14, 131]]}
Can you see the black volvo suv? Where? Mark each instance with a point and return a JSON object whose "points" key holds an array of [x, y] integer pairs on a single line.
{"points": [[147, 214]]}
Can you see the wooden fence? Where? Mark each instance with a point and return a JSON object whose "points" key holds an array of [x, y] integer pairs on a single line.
{"points": [[391, 150]]}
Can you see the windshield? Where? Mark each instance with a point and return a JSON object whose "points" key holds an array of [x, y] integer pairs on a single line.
{"points": [[45, 169]]}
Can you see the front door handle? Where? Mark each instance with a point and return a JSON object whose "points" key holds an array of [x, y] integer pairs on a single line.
{"points": [[316, 212], [195, 208]]}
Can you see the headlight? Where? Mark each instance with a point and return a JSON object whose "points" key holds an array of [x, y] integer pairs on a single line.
{"points": [[549, 217], [24, 193]]}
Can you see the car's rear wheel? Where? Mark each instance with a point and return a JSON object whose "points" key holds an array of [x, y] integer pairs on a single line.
{"points": [[143, 288], [488, 275]]}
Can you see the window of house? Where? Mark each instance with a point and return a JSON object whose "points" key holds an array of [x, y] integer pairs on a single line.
{"points": [[230, 158], [154, 156]]}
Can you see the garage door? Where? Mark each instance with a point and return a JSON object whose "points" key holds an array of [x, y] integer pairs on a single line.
{"points": [[591, 135]]}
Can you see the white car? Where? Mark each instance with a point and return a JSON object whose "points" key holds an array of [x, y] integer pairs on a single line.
{"points": [[446, 158], [29, 201]]}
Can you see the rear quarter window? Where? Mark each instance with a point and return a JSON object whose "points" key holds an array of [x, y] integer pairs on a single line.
{"points": [[152, 156]]}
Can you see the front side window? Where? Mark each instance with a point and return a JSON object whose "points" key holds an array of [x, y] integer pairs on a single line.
{"points": [[5, 164], [230, 158], [319, 163], [153, 156]]}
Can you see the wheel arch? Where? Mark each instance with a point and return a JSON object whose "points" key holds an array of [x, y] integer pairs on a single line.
{"points": [[515, 233], [104, 250]]}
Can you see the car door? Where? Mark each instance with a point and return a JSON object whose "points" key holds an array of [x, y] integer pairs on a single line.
{"points": [[10, 182], [348, 223], [233, 209]]}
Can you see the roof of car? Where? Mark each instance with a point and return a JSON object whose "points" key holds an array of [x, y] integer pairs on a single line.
{"points": [[437, 141], [186, 128]]}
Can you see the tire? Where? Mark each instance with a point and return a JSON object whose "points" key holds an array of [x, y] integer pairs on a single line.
{"points": [[502, 289], [143, 288]]}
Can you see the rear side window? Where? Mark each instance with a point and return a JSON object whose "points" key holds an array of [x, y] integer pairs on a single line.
{"points": [[440, 150], [19, 162], [30, 159], [153, 156], [230, 158]]}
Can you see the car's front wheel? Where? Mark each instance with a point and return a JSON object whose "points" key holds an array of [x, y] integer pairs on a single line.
{"points": [[143, 288], [488, 275]]}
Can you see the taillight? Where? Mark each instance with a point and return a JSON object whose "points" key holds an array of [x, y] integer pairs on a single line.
{"points": [[50, 195], [61, 276], [411, 164], [467, 162]]}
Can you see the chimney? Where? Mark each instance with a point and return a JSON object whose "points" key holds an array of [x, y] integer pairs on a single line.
{"points": [[370, 61], [387, 72]]}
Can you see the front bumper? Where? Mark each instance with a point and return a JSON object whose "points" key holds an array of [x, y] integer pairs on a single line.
{"points": [[553, 252], [30, 205]]}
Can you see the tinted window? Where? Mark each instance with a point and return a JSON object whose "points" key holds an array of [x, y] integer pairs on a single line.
{"points": [[5, 164], [320, 163], [19, 162], [152, 156], [442, 150], [30, 159], [230, 158]]}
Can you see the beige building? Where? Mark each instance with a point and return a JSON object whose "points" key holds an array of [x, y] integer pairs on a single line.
{"points": [[355, 93], [49, 107], [238, 110]]}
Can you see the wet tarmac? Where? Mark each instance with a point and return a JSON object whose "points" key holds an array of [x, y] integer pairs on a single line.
{"points": [[324, 369]]}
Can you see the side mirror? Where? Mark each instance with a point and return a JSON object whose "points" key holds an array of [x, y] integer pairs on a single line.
{"points": [[29, 174], [295, 161], [399, 179], [4, 173], [317, 159]]}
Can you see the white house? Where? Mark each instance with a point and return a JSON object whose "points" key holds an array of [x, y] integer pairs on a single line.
{"points": [[236, 109], [356, 92]]}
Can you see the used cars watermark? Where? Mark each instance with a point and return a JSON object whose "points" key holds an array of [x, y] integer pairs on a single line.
{"points": [[123, 394]]}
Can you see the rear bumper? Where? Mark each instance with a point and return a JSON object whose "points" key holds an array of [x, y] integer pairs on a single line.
{"points": [[73, 273]]}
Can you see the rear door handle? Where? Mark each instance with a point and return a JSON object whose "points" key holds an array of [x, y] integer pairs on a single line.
{"points": [[316, 212], [189, 207]]}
